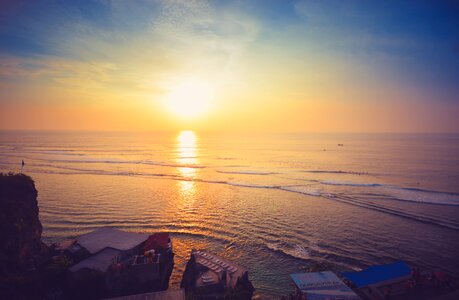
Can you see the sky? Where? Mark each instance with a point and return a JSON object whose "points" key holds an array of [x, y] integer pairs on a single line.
{"points": [[280, 66]]}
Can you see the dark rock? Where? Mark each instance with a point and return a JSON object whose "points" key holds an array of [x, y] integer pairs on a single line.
{"points": [[20, 228]]}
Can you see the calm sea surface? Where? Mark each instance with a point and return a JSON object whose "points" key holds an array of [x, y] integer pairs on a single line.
{"points": [[276, 204]]}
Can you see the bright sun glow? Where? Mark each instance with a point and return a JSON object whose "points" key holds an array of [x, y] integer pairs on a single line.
{"points": [[190, 99]]}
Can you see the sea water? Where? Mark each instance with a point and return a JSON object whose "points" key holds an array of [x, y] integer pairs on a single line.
{"points": [[274, 203]]}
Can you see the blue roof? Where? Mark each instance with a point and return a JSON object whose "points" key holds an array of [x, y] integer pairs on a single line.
{"points": [[375, 274]]}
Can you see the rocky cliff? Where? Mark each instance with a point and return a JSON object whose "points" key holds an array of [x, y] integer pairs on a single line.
{"points": [[20, 227]]}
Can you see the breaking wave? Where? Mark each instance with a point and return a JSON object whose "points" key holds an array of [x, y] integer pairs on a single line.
{"points": [[302, 189], [296, 251], [349, 183], [248, 172], [335, 172], [250, 185], [423, 196]]}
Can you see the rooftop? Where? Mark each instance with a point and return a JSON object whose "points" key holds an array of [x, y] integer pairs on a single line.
{"points": [[99, 261], [107, 237], [322, 285], [216, 267], [164, 295], [379, 275]]}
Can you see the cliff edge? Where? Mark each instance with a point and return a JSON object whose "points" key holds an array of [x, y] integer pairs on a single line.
{"points": [[20, 227]]}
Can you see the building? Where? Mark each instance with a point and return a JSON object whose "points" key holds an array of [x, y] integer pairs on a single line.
{"points": [[120, 262], [213, 277], [321, 286]]}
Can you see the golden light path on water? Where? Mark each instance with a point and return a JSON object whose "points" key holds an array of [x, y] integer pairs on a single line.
{"points": [[187, 156]]}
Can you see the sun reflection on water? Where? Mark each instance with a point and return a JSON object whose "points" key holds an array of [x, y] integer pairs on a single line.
{"points": [[187, 159]]}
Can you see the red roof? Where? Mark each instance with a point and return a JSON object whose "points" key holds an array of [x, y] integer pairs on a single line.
{"points": [[158, 241]]}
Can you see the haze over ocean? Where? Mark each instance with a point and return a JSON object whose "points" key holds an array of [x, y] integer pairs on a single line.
{"points": [[276, 203]]}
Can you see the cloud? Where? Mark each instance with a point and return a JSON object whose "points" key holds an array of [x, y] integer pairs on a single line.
{"points": [[64, 73], [213, 38], [135, 48]]}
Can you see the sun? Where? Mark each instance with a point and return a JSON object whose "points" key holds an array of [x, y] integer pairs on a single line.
{"points": [[189, 99]]}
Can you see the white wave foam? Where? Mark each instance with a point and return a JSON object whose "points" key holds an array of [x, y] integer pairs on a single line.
{"points": [[251, 185], [349, 183], [334, 172], [297, 251], [302, 189], [403, 193], [248, 172], [423, 196]]}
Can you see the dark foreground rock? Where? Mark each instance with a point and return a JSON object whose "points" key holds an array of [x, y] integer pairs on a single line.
{"points": [[21, 248], [23, 257]]}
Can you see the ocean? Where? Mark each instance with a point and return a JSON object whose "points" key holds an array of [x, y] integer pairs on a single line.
{"points": [[274, 203]]}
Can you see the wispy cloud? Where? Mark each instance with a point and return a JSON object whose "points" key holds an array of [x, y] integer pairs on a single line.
{"points": [[139, 53]]}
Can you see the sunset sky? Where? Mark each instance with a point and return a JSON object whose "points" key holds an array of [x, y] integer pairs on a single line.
{"points": [[312, 66]]}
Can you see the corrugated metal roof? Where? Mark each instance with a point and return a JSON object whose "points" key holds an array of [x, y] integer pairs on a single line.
{"points": [[99, 261], [322, 286], [114, 238]]}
